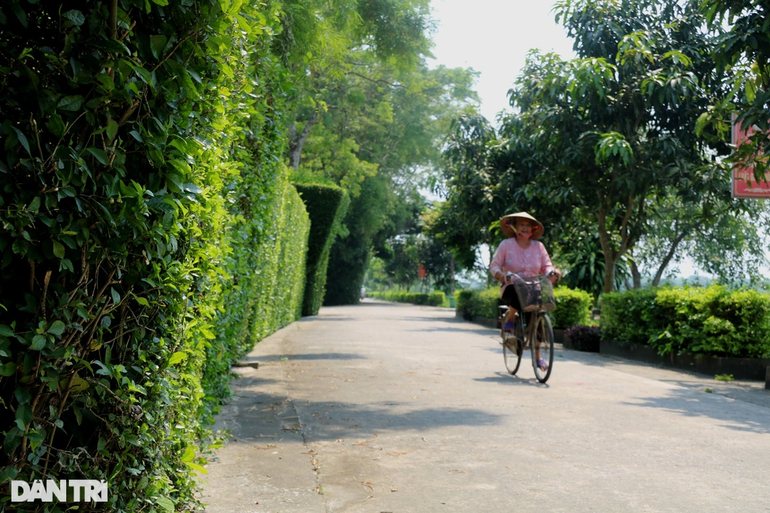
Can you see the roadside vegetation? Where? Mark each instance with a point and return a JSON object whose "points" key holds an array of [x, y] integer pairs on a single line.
{"points": [[181, 179]]}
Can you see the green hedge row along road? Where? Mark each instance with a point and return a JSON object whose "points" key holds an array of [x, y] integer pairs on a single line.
{"points": [[149, 234]]}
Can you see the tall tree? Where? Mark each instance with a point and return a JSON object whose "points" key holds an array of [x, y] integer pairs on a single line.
{"points": [[615, 127], [744, 49]]}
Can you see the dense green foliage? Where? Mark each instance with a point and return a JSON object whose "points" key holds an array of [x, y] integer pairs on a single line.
{"points": [[744, 49], [417, 298], [267, 284], [326, 205], [573, 306], [712, 321], [141, 189], [478, 303]]}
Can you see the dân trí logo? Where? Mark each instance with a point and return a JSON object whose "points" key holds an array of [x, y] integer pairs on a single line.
{"points": [[73, 490]]}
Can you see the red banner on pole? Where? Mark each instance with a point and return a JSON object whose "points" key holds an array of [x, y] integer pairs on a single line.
{"points": [[422, 272], [744, 183]]}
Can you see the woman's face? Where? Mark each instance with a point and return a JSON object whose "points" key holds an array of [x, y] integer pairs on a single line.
{"points": [[524, 228]]}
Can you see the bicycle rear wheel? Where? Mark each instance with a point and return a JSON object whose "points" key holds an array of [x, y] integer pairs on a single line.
{"points": [[512, 348], [542, 348]]}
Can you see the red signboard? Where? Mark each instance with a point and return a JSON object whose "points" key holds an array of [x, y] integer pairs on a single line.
{"points": [[744, 183], [422, 272]]}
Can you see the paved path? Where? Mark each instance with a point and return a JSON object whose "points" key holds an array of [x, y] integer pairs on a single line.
{"points": [[394, 408]]}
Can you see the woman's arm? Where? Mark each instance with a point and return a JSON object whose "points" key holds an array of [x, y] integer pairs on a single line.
{"points": [[545, 261], [498, 261]]}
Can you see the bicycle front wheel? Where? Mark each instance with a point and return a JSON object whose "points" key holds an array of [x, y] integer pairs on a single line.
{"points": [[512, 348], [542, 348]]}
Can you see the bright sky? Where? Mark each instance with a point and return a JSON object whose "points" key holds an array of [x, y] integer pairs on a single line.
{"points": [[493, 37]]}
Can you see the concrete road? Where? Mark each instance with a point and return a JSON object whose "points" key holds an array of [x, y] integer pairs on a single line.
{"points": [[393, 408]]}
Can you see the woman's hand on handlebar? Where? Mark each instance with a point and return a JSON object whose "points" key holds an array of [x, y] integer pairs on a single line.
{"points": [[555, 275]]}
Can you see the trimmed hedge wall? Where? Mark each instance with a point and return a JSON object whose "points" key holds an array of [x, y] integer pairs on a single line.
{"points": [[326, 205], [148, 235], [692, 320], [267, 286], [572, 306], [417, 298]]}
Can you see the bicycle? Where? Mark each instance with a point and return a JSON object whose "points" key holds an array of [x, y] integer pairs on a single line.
{"points": [[536, 296]]}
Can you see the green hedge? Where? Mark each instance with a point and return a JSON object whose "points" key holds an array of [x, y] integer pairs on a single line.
{"points": [[573, 307], [267, 285], [692, 320], [141, 206], [478, 303], [417, 298], [326, 205]]}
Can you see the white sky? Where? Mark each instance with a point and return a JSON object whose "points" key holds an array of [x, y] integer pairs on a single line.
{"points": [[493, 37]]}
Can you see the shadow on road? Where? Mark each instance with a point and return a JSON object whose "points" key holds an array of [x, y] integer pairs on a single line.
{"points": [[255, 415], [690, 403], [308, 356], [506, 379]]}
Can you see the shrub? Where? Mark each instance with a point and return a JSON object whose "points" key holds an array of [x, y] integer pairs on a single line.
{"points": [[463, 303], [137, 197], [326, 205], [584, 338], [478, 303], [573, 306], [690, 320], [627, 317], [417, 298]]}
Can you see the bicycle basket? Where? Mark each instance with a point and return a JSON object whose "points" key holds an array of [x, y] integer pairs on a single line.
{"points": [[535, 293]]}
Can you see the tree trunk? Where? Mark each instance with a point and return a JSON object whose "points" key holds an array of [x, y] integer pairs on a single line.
{"points": [[636, 275], [296, 143], [610, 256], [667, 259]]}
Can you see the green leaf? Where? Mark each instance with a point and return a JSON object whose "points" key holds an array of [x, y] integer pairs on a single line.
{"points": [[58, 249], [177, 357], [163, 502], [115, 295], [100, 155], [112, 129], [5, 331], [157, 44], [142, 301], [22, 395], [23, 140], [23, 416], [57, 328], [34, 206], [76, 17], [189, 454], [38, 342], [8, 473], [9, 369], [196, 467], [70, 103]]}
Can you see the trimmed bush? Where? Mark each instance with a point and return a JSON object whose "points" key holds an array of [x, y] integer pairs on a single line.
{"points": [[573, 307], [417, 298], [326, 205], [692, 320], [627, 316], [478, 303], [463, 300]]}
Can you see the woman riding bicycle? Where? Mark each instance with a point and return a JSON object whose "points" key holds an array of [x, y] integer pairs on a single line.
{"points": [[521, 253]]}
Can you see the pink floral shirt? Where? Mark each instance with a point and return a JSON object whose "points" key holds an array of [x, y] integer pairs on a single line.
{"points": [[510, 257]]}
